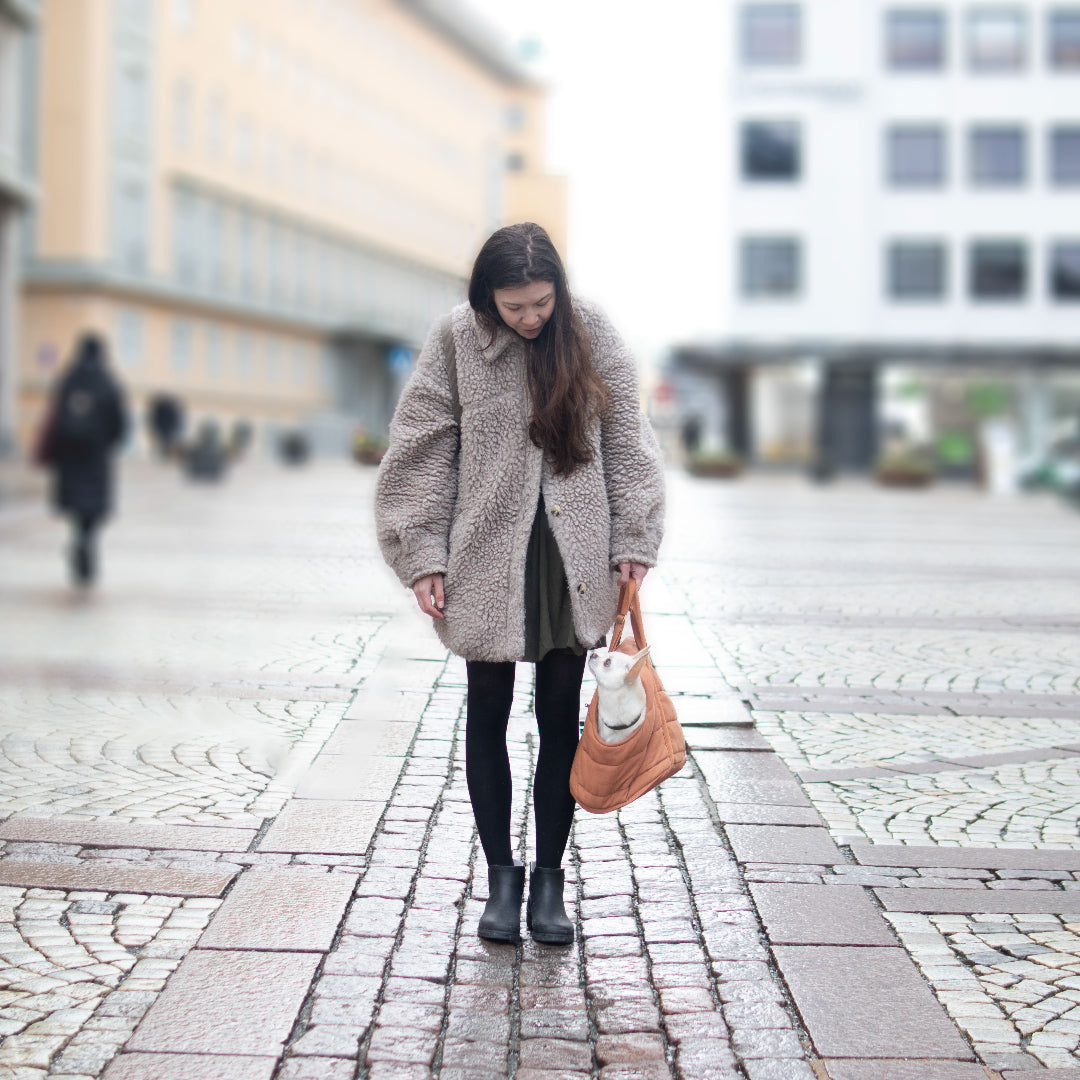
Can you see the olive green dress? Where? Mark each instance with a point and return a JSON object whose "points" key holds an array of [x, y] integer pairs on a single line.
{"points": [[549, 619]]}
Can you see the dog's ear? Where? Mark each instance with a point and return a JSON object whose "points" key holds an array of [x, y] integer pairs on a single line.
{"points": [[637, 664]]}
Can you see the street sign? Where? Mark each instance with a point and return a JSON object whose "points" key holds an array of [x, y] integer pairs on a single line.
{"points": [[399, 359]]}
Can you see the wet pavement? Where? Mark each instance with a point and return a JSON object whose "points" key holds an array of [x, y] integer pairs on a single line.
{"points": [[236, 839]]}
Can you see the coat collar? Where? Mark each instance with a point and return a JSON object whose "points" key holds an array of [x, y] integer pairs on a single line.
{"points": [[505, 338]]}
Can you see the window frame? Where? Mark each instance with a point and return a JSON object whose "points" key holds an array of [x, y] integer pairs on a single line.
{"points": [[745, 151], [892, 18], [914, 182], [747, 58], [1055, 247], [894, 247], [794, 245], [1053, 14], [1020, 245], [1054, 176], [1024, 48], [988, 182]]}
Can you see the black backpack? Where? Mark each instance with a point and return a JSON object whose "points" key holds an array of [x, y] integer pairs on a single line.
{"points": [[80, 420]]}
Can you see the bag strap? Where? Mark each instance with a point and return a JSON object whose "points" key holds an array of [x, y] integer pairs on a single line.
{"points": [[451, 365], [629, 604]]}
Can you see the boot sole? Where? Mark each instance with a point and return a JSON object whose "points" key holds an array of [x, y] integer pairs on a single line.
{"points": [[551, 939], [500, 939]]}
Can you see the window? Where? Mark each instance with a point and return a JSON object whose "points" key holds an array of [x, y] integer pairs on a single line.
{"points": [[1065, 156], [129, 339], [997, 39], [916, 155], [299, 365], [915, 39], [1063, 39], [183, 14], [916, 270], [185, 237], [215, 353], [1065, 271], [998, 270], [771, 150], [515, 162], [133, 103], [771, 35], [130, 226], [182, 109], [216, 125], [244, 350], [515, 118], [998, 156], [771, 267], [181, 346]]}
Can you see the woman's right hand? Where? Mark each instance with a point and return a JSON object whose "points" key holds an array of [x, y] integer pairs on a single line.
{"points": [[429, 595]]}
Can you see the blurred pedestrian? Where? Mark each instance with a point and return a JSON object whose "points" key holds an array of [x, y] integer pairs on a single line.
{"points": [[521, 484], [207, 456], [87, 422], [166, 419]]}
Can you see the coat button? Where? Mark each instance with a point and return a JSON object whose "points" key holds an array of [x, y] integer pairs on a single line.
{"points": [[582, 588], [556, 510]]}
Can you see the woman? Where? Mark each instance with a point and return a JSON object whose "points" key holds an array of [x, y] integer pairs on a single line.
{"points": [[86, 424], [521, 484]]}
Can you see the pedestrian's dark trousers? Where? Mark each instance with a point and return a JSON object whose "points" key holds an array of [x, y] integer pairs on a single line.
{"points": [[487, 764], [84, 539]]}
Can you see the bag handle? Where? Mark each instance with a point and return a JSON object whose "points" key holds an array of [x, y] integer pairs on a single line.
{"points": [[629, 604]]}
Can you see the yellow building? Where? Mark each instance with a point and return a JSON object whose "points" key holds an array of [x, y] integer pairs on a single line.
{"points": [[263, 205], [17, 20]]}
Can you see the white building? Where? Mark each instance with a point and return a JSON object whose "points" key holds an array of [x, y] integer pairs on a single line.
{"points": [[904, 216]]}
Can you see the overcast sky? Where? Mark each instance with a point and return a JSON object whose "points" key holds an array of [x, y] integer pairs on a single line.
{"points": [[630, 119]]}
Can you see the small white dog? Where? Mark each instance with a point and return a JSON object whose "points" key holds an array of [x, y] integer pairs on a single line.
{"points": [[620, 695]]}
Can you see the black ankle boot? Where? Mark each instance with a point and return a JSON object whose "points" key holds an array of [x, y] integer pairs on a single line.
{"points": [[545, 915], [501, 920]]}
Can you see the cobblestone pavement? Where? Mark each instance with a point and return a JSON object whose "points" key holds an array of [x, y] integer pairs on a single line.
{"points": [[236, 844]]}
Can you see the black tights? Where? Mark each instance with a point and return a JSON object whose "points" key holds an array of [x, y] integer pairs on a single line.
{"points": [[487, 765]]}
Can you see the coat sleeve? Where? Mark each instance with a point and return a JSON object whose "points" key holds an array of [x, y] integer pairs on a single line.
{"points": [[633, 464], [417, 480]]}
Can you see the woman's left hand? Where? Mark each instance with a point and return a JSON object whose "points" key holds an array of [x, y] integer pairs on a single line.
{"points": [[635, 570]]}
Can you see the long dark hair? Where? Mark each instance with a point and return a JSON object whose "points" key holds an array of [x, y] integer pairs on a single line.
{"points": [[564, 389]]}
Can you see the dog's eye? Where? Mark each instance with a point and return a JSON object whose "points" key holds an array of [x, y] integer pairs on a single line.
{"points": [[607, 662]]}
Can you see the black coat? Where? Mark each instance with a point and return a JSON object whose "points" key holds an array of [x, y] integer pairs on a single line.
{"points": [[88, 420]]}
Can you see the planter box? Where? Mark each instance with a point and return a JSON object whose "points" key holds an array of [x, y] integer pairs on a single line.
{"points": [[903, 478]]}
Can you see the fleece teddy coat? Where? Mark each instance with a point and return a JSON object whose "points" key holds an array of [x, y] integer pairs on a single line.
{"points": [[458, 498]]}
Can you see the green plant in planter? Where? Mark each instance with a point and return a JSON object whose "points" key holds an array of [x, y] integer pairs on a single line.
{"points": [[904, 468], [368, 449], [723, 463]]}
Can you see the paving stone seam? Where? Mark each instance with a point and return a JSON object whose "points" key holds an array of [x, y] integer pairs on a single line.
{"points": [[302, 1022], [669, 1048], [790, 1007], [804, 1034]]}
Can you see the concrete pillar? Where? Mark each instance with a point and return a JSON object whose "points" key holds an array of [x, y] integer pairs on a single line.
{"points": [[9, 306], [1036, 416]]}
